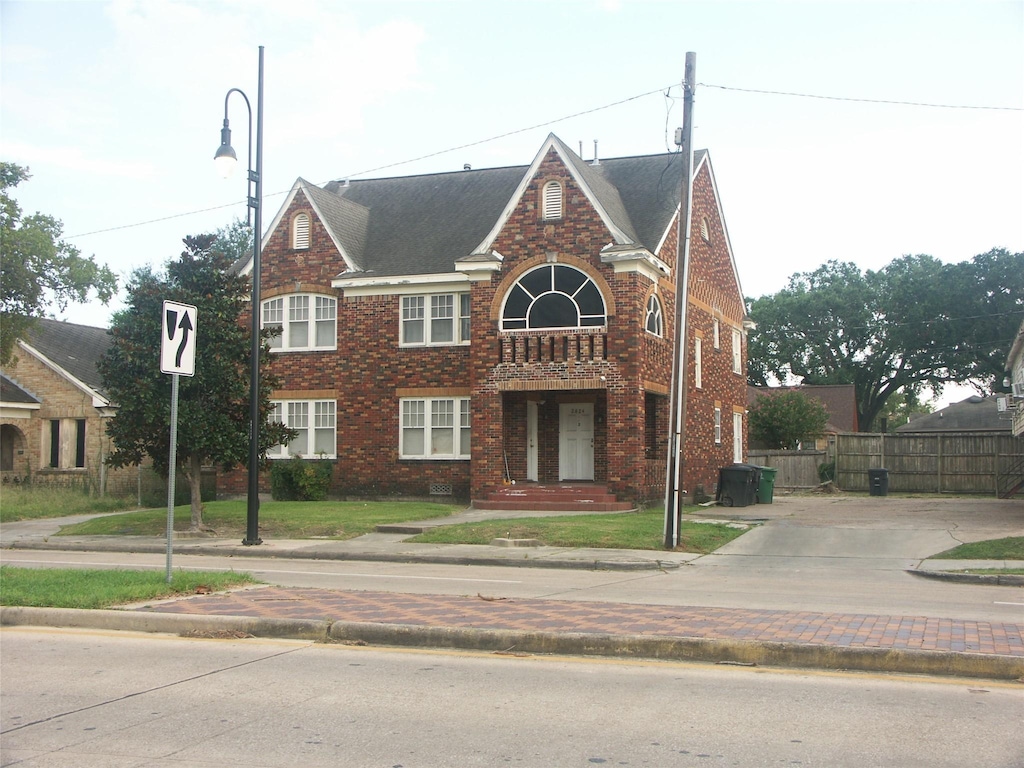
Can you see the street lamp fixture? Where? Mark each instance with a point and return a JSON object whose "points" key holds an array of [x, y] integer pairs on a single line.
{"points": [[225, 160]]}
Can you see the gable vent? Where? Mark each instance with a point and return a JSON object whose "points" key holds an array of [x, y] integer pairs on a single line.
{"points": [[300, 231], [552, 200]]}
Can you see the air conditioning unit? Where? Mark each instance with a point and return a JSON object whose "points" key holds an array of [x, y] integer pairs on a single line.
{"points": [[1018, 389]]}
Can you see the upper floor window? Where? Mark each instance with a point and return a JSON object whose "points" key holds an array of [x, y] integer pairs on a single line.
{"points": [[551, 203], [553, 296], [303, 322], [653, 320], [314, 420], [446, 323], [737, 352], [698, 362], [717, 332], [300, 231]]}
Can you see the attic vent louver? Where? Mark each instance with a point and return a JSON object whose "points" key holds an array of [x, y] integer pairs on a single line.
{"points": [[552, 202], [300, 232]]}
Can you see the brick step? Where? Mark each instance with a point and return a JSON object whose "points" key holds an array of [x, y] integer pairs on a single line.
{"points": [[554, 498]]}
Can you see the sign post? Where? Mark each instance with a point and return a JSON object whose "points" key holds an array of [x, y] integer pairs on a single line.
{"points": [[177, 358]]}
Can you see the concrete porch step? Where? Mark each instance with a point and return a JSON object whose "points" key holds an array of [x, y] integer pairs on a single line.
{"points": [[564, 497]]}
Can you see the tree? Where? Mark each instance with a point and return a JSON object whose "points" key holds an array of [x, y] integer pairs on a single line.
{"points": [[783, 420], [909, 327], [39, 269], [213, 405]]}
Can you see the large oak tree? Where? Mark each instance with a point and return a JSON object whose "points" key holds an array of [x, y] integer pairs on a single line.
{"points": [[213, 405], [910, 327]]}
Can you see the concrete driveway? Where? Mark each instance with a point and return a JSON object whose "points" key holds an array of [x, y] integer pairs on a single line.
{"points": [[872, 527]]}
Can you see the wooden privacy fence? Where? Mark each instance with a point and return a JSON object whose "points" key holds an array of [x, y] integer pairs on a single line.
{"points": [[964, 462], [796, 469]]}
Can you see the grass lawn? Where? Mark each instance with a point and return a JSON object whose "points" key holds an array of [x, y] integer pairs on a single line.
{"points": [[278, 519], [1010, 548], [72, 588], [629, 530], [33, 502]]}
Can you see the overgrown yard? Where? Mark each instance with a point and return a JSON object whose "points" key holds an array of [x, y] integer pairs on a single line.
{"points": [[278, 519], [72, 588], [29, 502], [628, 530]]}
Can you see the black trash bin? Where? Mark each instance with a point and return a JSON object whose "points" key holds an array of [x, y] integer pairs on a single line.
{"points": [[878, 482], [737, 485]]}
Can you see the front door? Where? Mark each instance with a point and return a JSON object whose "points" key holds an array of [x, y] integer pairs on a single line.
{"points": [[531, 440], [576, 441]]}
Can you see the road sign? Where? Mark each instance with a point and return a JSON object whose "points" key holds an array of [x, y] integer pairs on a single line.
{"points": [[178, 339]]}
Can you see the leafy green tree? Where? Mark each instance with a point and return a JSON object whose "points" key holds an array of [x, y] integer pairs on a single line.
{"points": [[783, 420], [907, 328], [213, 405], [39, 270]]}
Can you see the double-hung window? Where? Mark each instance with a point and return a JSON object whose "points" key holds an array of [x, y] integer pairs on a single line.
{"points": [[316, 424], [737, 352], [302, 322], [434, 428], [434, 320]]}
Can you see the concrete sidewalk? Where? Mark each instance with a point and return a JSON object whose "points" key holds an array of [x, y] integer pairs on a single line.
{"points": [[907, 644]]}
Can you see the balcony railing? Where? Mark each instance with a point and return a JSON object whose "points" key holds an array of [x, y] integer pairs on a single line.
{"points": [[554, 347]]}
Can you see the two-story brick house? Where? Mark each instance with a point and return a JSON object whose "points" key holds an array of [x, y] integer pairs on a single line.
{"points": [[452, 332]]}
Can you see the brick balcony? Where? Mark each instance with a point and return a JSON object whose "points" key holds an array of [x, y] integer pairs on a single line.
{"points": [[559, 347]]}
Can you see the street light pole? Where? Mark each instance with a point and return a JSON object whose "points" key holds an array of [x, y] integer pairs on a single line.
{"points": [[225, 158]]}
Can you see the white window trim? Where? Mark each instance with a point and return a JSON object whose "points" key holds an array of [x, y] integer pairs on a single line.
{"points": [[737, 437], [329, 412], [461, 412], [329, 306], [698, 362], [659, 316], [717, 329], [737, 352], [461, 312], [718, 425]]}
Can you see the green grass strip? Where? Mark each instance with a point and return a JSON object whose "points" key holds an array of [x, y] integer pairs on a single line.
{"points": [[1010, 548], [72, 588], [628, 530]]}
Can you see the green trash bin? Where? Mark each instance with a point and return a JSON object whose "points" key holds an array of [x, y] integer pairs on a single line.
{"points": [[766, 487]]}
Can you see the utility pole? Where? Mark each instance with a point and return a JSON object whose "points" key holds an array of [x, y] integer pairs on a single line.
{"points": [[677, 411]]}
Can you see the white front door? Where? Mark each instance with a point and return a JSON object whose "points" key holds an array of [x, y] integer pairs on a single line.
{"points": [[531, 440], [576, 441]]}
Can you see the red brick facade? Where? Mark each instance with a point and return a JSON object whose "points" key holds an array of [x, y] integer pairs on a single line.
{"points": [[620, 371]]}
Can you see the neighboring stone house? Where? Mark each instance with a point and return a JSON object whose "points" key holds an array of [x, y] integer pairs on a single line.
{"points": [[53, 411], [453, 332]]}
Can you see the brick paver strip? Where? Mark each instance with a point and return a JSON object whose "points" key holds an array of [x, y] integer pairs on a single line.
{"points": [[838, 629]]}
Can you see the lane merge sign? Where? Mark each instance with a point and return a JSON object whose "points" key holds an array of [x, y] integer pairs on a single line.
{"points": [[178, 339]]}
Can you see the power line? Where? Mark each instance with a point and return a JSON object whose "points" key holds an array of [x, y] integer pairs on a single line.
{"points": [[859, 100], [663, 91]]}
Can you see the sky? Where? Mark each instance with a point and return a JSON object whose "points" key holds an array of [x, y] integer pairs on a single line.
{"points": [[116, 108]]}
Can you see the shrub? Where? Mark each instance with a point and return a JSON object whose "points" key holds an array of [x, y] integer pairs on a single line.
{"points": [[300, 479], [827, 472]]}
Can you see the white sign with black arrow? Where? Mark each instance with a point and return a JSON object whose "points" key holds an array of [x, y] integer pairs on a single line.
{"points": [[178, 339]]}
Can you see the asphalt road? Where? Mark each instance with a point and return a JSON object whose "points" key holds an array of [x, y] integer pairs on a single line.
{"points": [[89, 699]]}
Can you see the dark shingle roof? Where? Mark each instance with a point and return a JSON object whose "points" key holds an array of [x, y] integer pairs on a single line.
{"points": [[12, 393], [975, 414], [423, 224], [75, 348]]}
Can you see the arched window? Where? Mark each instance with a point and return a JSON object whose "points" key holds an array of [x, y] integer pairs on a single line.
{"points": [[653, 321], [552, 200], [300, 231], [553, 296]]}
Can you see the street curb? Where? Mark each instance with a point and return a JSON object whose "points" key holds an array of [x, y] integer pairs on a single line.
{"points": [[990, 579], [714, 651], [373, 557]]}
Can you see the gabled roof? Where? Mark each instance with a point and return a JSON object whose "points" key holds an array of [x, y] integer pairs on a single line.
{"points": [[975, 414], [71, 350], [10, 392], [421, 225]]}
